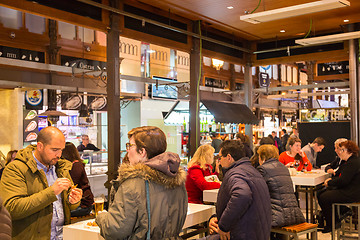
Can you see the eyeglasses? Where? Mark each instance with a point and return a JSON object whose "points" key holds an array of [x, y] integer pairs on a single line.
{"points": [[129, 145]]}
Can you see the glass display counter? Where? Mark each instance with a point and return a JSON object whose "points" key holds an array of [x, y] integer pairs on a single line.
{"points": [[96, 162]]}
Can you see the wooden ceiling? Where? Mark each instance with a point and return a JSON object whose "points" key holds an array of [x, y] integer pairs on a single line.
{"points": [[216, 13]]}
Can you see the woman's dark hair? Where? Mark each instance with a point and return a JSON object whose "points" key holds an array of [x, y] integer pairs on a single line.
{"points": [[234, 148], [351, 147], [71, 153], [299, 157], [151, 138], [9, 156], [267, 140]]}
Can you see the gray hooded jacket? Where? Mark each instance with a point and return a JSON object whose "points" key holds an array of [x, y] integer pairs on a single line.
{"points": [[127, 217]]}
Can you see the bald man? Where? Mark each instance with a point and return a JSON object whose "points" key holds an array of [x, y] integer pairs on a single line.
{"points": [[36, 189]]}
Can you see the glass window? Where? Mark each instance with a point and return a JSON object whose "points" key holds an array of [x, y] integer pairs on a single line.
{"points": [[34, 23], [66, 30], [10, 18]]}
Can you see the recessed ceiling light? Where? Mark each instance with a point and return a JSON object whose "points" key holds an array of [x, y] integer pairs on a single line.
{"points": [[346, 20], [230, 7], [282, 30]]}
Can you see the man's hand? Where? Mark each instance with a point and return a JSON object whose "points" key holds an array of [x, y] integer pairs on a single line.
{"points": [[213, 225], [75, 195], [331, 171], [224, 235], [60, 185]]}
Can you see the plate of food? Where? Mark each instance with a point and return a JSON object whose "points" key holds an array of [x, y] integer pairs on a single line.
{"points": [[91, 224]]}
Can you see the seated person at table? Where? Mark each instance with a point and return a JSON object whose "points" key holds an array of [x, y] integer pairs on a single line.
{"points": [[284, 206], [312, 149], [198, 168], [255, 158], [243, 209], [294, 157], [150, 200], [86, 145], [334, 165], [345, 186], [80, 179]]}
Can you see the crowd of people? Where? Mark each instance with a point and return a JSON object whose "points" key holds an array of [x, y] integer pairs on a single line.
{"points": [[43, 185]]}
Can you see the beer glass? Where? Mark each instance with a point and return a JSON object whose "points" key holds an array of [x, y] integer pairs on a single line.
{"points": [[99, 205]]}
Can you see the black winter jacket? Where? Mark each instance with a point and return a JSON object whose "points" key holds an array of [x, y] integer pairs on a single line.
{"points": [[347, 179], [284, 207], [5, 223], [243, 203]]}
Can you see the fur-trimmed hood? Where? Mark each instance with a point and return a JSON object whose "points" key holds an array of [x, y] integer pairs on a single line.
{"points": [[163, 169]]}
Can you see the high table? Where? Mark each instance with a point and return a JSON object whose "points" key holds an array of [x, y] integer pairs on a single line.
{"points": [[303, 181], [196, 214]]}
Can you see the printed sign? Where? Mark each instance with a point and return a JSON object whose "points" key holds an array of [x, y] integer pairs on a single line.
{"points": [[83, 63], [332, 68], [22, 54], [264, 80], [34, 99], [325, 115]]}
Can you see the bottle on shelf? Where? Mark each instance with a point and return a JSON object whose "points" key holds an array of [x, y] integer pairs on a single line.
{"points": [[184, 125]]}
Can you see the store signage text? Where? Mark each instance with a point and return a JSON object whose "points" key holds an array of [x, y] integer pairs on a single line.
{"points": [[22, 54], [333, 68], [83, 63], [325, 115]]}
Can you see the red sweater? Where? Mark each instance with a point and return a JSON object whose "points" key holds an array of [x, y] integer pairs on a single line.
{"points": [[285, 159], [196, 183]]}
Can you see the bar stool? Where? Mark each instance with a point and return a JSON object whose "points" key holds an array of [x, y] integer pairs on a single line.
{"points": [[347, 230], [295, 231]]}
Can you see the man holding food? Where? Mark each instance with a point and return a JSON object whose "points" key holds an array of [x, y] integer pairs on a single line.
{"points": [[37, 189]]}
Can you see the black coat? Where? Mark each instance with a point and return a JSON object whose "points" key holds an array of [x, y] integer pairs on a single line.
{"points": [[285, 209], [5, 223], [348, 180], [243, 203]]}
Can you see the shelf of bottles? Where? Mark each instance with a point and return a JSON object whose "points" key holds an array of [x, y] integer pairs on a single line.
{"points": [[207, 126], [216, 83]]}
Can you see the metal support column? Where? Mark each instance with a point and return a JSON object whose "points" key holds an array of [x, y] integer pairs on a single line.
{"points": [[195, 79], [248, 87], [354, 86], [113, 93]]}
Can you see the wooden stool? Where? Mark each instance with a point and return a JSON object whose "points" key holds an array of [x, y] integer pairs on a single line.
{"points": [[296, 230]]}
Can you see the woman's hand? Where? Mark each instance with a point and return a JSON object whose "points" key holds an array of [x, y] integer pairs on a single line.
{"points": [[302, 154], [326, 182], [290, 164], [331, 171], [213, 225]]}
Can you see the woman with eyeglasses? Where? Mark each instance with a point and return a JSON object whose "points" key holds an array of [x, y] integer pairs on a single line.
{"points": [[149, 195], [200, 167], [344, 187], [294, 156]]}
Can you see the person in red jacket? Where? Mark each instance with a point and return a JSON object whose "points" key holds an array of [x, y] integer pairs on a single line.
{"points": [[198, 168], [295, 157]]}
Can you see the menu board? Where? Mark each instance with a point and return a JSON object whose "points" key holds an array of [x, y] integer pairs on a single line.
{"points": [[30, 126]]}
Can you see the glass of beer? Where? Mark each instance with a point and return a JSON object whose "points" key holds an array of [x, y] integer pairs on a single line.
{"points": [[99, 205]]}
